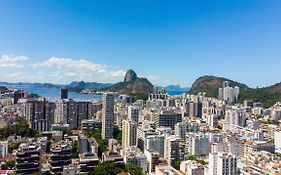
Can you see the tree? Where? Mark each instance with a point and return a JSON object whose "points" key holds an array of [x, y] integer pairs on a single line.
{"points": [[21, 127], [107, 168], [8, 165], [140, 96], [36, 173], [197, 160], [111, 168], [191, 158], [177, 164], [12, 146], [101, 142], [117, 134], [133, 169], [4, 166], [74, 145]]}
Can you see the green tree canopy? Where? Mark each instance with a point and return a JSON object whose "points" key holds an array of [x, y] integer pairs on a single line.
{"points": [[111, 168]]}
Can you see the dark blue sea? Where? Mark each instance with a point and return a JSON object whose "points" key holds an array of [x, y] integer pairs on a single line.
{"points": [[54, 93], [176, 92]]}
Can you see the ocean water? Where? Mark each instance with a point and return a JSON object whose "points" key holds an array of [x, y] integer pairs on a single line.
{"points": [[54, 93], [180, 92]]}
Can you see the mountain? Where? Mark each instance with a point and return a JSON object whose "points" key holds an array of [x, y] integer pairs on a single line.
{"points": [[140, 85], [132, 84], [40, 85], [210, 84], [3, 89], [78, 86], [130, 75]]}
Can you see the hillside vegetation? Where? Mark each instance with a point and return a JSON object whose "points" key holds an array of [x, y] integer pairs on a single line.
{"points": [[210, 84]]}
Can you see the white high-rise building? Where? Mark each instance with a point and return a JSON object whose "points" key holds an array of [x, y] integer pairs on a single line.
{"points": [[3, 149], [228, 93], [198, 144], [277, 141], [107, 115], [134, 113], [134, 155], [235, 117], [174, 149], [152, 160], [129, 133], [236, 93], [181, 129], [222, 164], [220, 96], [156, 143], [259, 135], [213, 120]]}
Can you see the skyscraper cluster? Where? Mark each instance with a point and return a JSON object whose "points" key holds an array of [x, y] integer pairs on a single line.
{"points": [[179, 135], [229, 94]]}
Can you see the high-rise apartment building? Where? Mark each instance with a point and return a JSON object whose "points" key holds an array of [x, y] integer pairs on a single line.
{"points": [[152, 160], [174, 149], [198, 144], [40, 114], [18, 95], [64, 93], [156, 143], [3, 149], [134, 113], [73, 112], [60, 156], [168, 119], [277, 141], [28, 159], [222, 164], [107, 115], [213, 120], [129, 133], [228, 93], [235, 117]]}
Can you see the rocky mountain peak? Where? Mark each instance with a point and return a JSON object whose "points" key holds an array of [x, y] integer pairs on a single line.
{"points": [[130, 75]]}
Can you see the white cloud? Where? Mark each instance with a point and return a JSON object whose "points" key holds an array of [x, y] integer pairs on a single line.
{"points": [[62, 63], [61, 71], [153, 77], [67, 69], [12, 61]]}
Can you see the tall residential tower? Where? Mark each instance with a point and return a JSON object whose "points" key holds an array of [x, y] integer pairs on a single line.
{"points": [[107, 115]]}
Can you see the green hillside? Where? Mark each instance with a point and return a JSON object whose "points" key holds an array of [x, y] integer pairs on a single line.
{"points": [[140, 85], [210, 84]]}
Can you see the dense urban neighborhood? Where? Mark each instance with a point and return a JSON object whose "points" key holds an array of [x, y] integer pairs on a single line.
{"points": [[161, 134]]}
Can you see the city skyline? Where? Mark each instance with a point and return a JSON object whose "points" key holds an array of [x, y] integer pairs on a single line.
{"points": [[140, 87], [99, 41]]}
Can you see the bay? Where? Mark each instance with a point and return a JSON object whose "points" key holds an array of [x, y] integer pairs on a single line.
{"points": [[54, 93]]}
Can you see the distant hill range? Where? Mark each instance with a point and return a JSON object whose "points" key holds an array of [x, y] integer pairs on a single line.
{"points": [[132, 84], [46, 85], [3, 89], [135, 85], [78, 86], [210, 84]]}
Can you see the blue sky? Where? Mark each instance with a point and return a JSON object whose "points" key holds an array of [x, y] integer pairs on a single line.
{"points": [[170, 42]]}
